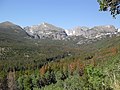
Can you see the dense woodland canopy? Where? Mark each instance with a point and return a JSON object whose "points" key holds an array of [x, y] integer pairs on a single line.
{"points": [[60, 65]]}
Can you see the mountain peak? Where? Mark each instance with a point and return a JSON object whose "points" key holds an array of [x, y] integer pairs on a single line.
{"points": [[46, 30], [7, 23], [47, 24], [44, 23]]}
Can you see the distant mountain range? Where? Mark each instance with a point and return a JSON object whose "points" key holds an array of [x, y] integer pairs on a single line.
{"points": [[48, 31], [92, 32]]}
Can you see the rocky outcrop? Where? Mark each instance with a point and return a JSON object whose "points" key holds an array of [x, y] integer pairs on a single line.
{"points": [[77, 31], [94, 32], [90, 35], [45, 30], [48, 31], [100, 31]]}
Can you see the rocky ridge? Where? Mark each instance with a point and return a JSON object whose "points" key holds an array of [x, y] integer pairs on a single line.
{"points": [[48, 31], [45, 30]]}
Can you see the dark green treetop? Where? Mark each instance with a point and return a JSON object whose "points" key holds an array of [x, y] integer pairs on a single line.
{"points": [[110, 5]]}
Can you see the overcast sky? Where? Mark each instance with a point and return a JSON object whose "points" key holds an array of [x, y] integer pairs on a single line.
{"points": [[63, 13]]}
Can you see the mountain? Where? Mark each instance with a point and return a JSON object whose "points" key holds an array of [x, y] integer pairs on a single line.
{"points": [[59, 64], [90, 35], [94, 32], [80, 35], [10, 31], [77, 31], [99, 31], [45, 30]]}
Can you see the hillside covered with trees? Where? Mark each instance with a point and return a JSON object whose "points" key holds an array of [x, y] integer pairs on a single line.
{"points": [[60, 65]]}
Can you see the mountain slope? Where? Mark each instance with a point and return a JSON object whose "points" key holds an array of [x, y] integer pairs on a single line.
{"points": [[10, 31], [57, 64]]}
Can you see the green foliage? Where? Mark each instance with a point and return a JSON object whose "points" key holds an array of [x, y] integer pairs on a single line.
{"points": [[73, 83], [35, 80], [25, 83], [62, 58], [112, 71], [20, 83], [95, 78], [28, 85], [112, 5]]}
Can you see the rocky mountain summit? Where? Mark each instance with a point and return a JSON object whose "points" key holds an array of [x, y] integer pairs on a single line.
{"points": [[77, 31], [94, 32], [89, 35], [45, 30], [48, 31]]}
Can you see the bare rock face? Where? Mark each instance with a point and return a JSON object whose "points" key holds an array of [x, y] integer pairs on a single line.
{"points": [[80, 35], [101, 31], [45, 30], [94, 32], [105, 29], [77, 31]]}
